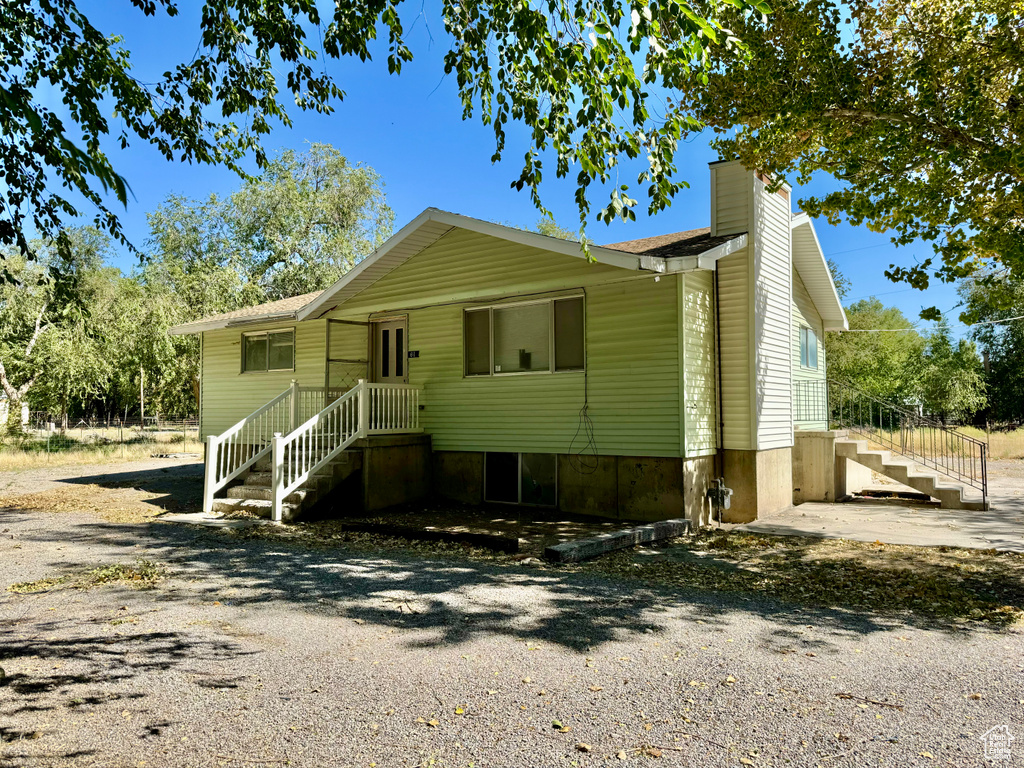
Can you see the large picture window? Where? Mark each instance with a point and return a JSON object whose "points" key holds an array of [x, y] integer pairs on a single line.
{"points": [[268, 351], [808, 348], [533, 337]]}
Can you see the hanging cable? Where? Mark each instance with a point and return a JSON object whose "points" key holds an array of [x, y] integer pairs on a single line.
{"points": [[584, 460]]}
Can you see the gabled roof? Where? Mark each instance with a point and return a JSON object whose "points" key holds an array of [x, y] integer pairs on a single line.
{"points": [[664, 254], [810, 264], [433, 224], [282, 309]]}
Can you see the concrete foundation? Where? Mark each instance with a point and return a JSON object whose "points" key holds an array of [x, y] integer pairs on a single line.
{"points": [[761, 482], [396, 469], [697, 476], [820, 475], [459, 476], [616, 487]]}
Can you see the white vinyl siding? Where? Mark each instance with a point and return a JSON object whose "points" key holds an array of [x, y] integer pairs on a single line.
{"points": [[773, 318], [735, 352], [808, 383], [730, 199], [228, 395], [697, 332]]}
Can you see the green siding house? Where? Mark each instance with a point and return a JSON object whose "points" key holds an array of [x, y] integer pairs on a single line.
{"points": [[505, 366]]}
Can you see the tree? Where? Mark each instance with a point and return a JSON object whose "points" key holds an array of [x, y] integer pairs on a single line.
{"points": [[886, 365], [990, 300], [548, 226], [579, 76], [296, 229], [951, 381], [50, 353], [307, 220], [917, 109]]}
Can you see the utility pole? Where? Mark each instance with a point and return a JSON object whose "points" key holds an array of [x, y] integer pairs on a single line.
{"points": [[142, 394]]}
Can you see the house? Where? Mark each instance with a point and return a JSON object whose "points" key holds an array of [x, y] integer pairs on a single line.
{"points": [[491, 364]]}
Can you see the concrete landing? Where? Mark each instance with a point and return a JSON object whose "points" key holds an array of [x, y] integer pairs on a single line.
{"points": [[901, 522]]}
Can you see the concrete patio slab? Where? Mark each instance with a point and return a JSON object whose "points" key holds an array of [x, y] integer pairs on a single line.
{"points": [[909, 522]]}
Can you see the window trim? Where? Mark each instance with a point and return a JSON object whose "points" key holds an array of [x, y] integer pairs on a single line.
{"points": [[805, 331], [489, 308], [267, 332]]}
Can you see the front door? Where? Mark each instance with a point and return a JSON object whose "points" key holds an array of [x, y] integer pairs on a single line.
{"points": [[390, 349]]}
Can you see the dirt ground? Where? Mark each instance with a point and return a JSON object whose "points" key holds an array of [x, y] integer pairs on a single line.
{"points": [[126, 492]]}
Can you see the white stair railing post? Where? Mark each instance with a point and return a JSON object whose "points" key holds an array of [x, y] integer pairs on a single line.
{"points": [[209, 476], [363, 406], [294, 406], [277, 477]]}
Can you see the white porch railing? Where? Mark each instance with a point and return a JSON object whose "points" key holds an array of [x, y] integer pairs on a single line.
{"points": [[303, 429], [394, 408], [231, 453], [366, 409]]}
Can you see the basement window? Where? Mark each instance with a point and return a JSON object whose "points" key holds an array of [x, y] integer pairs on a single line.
{"points": [[268, 351], [521, 478], [808, 348], [528, 337]]}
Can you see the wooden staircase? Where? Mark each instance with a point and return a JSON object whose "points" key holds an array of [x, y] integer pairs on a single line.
{"points": [[255, 493], [936, 485]]}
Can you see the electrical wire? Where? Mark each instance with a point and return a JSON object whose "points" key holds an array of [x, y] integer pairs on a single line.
{"points": [[585, 460]]}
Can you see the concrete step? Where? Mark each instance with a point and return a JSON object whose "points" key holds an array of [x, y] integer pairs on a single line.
{"points": [[265, 479], [259, 507], [299, 496], [950, 496]]}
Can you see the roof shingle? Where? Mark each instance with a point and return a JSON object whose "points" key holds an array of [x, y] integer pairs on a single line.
{"points": [[692, 242]]}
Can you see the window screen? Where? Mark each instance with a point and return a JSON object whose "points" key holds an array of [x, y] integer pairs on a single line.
{"points": [[521, 338], [272, 351], [255, 352], [478, 342], [569, 334], [281, 348]]}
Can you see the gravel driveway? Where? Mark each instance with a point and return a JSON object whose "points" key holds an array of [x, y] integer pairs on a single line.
{"points": [[266, 653]]}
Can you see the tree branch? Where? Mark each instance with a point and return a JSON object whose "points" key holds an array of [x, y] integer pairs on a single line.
{"points": [[37, 332]]}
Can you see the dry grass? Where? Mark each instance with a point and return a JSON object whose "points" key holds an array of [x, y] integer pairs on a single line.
{"points": [[1001, 445], [930, 443], [144, 574], [93, 446]]}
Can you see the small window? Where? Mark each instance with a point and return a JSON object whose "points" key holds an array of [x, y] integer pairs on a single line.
{"points": [[535, 337], [808, 348], [521, 478], [268, 351]]}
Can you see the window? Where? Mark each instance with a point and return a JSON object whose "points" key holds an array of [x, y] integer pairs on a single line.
{"points": [[808, 348], [268, 351], [521, 478], [534, 337]]}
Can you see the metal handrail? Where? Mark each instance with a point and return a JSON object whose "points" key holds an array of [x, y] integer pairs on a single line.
{"points": [[926, 441]]}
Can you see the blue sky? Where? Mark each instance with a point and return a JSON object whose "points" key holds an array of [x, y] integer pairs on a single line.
{"points": [[410, 129]]}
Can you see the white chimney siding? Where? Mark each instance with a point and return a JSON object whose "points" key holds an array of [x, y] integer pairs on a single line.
{"points": [[755, 305]]}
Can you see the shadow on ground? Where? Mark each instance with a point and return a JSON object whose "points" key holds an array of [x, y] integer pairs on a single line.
{"points": [[453, 598]]}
